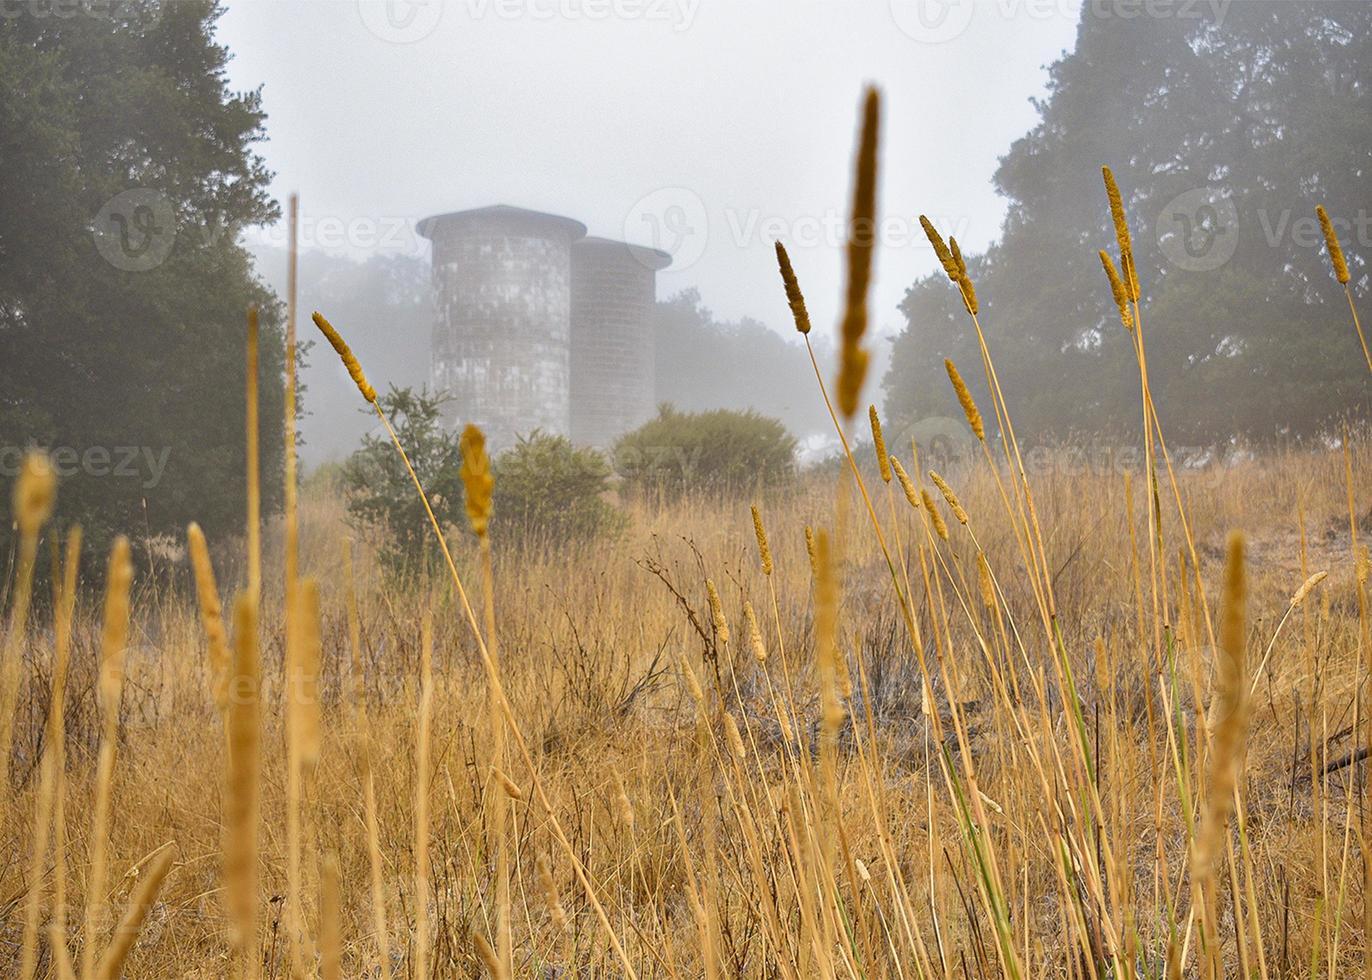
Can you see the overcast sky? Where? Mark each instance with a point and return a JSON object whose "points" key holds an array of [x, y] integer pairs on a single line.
{"points": [[706, 127]]}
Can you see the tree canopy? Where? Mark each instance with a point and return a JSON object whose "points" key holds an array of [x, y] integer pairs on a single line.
{"points": [[126, 170], [1224, 133]]}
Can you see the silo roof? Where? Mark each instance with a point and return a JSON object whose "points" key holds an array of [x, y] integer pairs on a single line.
{"points": [[652, 258], [503, 213]]}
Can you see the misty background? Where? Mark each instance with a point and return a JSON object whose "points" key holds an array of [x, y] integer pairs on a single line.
{"points": [[147, 149]]}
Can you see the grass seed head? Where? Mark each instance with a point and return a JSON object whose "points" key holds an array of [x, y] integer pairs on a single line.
{"points": [[764, 553], [1117, 290], [35, 492], [879, 442], [717, 612], [1331, 242], [477, 479], [345, 352], [953, 504], [794, 298], [969, 407], [754, 633], [941, 249], [940, 525], [906, 484], [853, 357], [1122, 237]]}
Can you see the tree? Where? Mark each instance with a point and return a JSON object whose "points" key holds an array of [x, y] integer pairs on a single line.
{"points": [[126, 168], [1224, 134], [380, 492]]}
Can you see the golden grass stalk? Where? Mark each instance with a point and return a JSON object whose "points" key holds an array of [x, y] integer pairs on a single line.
{"points": [[330, 925], [759, 648], [140, 904], [941, 249], [35, 492], [303, 724], [488, 958], [507, 784], [969, 406], [290, 508], [1122, 237], [477, 479], [794, 299], [940, 526], [717, 612], [423, 743], [853, 357], [879, 442], [253, 449], [114, 637], [906, 484], [242, 792], [211, 618], [1228, 722], [1117, 290], [346, 355], [764, 553], [556, 913], [47, 805], [1331, 242], [953, 504]]}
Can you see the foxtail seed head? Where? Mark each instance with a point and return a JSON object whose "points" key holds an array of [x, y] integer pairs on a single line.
{"points": [[949, 496], [345, 352], [1331, 242], [34, 493], [1126, 246], [810, 546], [945, 255], [906, 484], [717, 612], [940, 525], [477, 479], [1117, 290], [764, 553], [754, 633], [969, 407], [853, 357], [794, 299], [879, 442]]}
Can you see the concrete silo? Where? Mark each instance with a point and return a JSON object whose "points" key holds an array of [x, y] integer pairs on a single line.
{"points": [[502, 333], [614, 289]]}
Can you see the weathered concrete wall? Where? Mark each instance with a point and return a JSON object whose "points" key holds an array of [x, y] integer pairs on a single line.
{"points": [[612, 299], [502, 332]]}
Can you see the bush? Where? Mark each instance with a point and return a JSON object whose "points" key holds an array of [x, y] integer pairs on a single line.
{"points": [[381, 494], [545, 487], [719, 451]]}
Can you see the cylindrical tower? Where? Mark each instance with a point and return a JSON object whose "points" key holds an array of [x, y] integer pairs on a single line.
{"points": [[614, 288], [502, 333]]}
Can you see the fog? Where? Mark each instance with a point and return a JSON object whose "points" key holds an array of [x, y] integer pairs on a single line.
{"points": [[705, 128]]}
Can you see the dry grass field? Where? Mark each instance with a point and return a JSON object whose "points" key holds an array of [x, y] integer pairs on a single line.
{"points": [[1020, 722]]}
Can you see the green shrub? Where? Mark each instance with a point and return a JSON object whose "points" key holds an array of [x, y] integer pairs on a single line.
{"points": [[720, 451], [547, 488], [380, 492]]}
